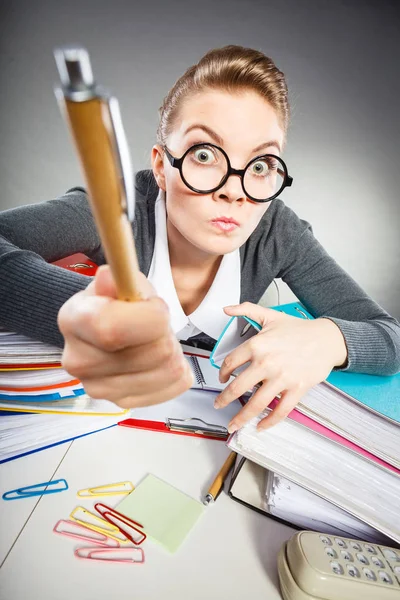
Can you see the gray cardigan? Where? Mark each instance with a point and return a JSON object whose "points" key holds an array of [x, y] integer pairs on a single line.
{"points": [[282, 246]]}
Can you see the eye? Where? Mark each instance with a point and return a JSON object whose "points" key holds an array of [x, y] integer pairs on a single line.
{"points": [[204, 155], [263, 167], [259, 168]]}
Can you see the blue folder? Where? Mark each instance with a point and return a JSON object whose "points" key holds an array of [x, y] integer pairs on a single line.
{"points": [[378, 393]]}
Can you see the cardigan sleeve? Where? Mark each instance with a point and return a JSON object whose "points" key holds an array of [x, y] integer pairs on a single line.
{"points": [[31, 290], [372, 336]]}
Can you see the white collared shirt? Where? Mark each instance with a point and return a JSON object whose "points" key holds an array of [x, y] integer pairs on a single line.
{"points": [[208, 317]]}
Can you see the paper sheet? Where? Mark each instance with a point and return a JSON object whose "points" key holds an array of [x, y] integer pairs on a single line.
{"points": [[167, 514]]}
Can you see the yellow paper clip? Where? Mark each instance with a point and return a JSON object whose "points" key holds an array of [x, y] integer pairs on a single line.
{"points": [[88, 519], [110, 489]]}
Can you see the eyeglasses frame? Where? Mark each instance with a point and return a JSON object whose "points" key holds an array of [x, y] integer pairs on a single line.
{"points": [[178, 162]]}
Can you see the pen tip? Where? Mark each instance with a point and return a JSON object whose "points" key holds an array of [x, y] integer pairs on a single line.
{"points": [[208, 500]]}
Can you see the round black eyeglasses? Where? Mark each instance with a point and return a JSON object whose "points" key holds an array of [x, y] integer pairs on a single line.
{"points": [[205, 168]]}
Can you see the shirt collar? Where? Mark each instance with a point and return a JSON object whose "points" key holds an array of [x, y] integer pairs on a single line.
{"points": [[225, 289]]}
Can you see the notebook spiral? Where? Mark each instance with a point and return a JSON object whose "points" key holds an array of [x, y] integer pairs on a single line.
{"points": [[197, 370]]}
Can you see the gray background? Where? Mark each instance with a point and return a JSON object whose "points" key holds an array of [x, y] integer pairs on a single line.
{"points": [[341, 59]]}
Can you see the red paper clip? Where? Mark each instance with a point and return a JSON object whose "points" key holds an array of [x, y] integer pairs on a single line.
{"points": [[120, 555], [115, 518]]}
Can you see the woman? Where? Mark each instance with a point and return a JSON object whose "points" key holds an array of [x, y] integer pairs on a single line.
{"points": [[210, 236]]}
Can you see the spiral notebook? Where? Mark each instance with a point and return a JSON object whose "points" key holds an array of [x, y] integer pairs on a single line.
{"points": [[206, 376]]}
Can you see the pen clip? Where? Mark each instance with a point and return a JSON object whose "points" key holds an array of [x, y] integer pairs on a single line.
{"points": [[190, 425], [121, 149]]}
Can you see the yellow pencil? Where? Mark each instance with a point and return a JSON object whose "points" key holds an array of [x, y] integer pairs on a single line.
{"points": [[218, 482]]}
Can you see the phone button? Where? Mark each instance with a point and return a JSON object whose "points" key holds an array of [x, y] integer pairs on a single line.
{"points": [[330, 552], [346, 555], [353, 571], [377, 562], [369, 574], [383, 576], [362, 558], [325, 540], [337, 568], [355, 546], [391, 554], [370, 549], [340, 542]]}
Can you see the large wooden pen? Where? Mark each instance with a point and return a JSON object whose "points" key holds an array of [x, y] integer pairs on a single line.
{"points": [[95, 122]]}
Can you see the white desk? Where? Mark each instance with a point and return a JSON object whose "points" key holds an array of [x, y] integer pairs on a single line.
{"points": [[230, 553]]}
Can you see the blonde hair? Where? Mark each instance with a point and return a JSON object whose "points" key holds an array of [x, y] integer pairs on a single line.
{"points": [[231, 69]]}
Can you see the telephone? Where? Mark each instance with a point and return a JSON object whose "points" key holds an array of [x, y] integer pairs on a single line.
{"points": [[316, 566]]}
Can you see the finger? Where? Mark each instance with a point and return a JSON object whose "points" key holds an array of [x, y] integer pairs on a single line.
{"points": [[84, 360], [116, 387], [240, 385], [238, 357], [256, 312], [288, 401], [177, 388], [112, 325], [261, 399]]}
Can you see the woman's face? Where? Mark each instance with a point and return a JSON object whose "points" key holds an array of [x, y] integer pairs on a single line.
{"points": [[245, 126]]}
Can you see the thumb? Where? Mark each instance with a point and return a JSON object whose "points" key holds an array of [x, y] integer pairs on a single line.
{"points": [[257, 313], [104, 284]]}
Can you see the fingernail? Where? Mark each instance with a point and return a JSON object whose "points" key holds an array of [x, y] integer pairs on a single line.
{"points": [[217, 404], [232, 427]]}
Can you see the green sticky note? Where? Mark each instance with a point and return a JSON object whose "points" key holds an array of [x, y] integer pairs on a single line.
{"points": [[167, 515]]}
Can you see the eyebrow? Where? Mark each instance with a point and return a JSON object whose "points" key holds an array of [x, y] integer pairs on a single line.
{"points": [[217, 138]]}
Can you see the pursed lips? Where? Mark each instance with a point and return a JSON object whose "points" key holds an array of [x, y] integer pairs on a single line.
{"points": [[226, 220]]}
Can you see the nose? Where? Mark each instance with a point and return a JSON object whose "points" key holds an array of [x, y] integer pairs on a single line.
{"points": [[232, 190]]}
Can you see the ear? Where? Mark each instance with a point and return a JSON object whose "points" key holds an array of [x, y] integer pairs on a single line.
{"points": [[157, 163]]}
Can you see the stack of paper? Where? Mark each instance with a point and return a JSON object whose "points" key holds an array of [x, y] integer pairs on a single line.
{"points": [[33, 381], [354, 481], [21, 350], [23, 434], [341, 442], [292, 503]]}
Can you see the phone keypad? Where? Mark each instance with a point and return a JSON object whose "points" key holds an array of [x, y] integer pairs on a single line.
{"points": [[363, 561]]}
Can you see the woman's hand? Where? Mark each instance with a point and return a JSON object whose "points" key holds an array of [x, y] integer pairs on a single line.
{"points": [[122, 351], [289, 356]]}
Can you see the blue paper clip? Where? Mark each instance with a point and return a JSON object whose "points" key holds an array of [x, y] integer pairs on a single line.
{"points": [[38, 489]]}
